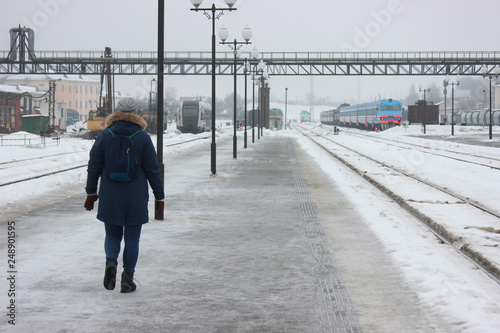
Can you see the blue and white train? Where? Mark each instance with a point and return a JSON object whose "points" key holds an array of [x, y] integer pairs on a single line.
{"points": [[376, 116]]}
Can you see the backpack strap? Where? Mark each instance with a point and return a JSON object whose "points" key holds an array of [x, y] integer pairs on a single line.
{"points": [[130, 137]]}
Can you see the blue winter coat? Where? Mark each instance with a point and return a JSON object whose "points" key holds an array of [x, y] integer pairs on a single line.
{"points": [[124, 203]]}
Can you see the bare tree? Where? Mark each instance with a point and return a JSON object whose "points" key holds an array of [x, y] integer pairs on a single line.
{"points": [[413, 96], [435, 94]]}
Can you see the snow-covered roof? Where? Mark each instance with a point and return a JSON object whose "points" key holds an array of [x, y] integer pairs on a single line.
{"points": [[20, 89], [35, 115]]}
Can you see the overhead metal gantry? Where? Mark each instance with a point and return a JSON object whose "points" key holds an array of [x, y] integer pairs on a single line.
{"points": [[278, 63]]}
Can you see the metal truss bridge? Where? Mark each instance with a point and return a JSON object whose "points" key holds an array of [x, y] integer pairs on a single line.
{"points": [[277, 63]]}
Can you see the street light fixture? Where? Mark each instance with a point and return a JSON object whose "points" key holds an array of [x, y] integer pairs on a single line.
{"points": [[213, 16], [488, 74], [235, 46], [425, 102], [453, 84]]}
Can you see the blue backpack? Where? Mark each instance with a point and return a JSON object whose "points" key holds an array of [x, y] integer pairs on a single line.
{"points": [[122, 161]]}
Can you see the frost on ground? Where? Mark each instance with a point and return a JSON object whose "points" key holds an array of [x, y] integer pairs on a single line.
{"points": [[442, 280]]}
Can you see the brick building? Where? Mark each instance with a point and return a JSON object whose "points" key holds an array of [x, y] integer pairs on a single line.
{"points": [[11, 99]]}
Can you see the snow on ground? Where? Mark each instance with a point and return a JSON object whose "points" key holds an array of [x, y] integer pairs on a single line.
{"points": [[24, 196], [468, 296], [438, 282]]}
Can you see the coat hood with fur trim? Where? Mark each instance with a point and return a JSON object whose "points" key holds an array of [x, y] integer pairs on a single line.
{"points": [[126, 116]]}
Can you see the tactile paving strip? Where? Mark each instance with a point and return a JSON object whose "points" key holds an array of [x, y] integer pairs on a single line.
{"points": [[332, 296]]}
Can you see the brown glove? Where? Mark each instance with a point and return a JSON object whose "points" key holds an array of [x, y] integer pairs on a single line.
{"points": [[159, 207], [89, 202]]}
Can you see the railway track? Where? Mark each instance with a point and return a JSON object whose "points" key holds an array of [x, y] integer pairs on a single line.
{"points": [[477, 259], [33, 161], [415, 177], [11, 163], [455, 158], [446, 153]]}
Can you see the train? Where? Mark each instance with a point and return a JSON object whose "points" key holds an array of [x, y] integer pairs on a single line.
{"points": [[240, 122], [305, 116], [275, 119], [375, 116], [478, 117], [331, 117], [194, 117]]}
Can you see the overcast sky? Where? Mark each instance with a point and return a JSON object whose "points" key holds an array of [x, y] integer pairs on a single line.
{"points": [[277, 25]]}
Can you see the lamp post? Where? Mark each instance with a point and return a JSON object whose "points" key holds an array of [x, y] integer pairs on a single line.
{"points": [[490, 75], [246, 114], [262, 115], [425, 102], [259, 108], [264, 80], [159, 214], [206, 12], [235, 46], [256, 82], [286, 103], [453, 84], [260, 68], [151, 96], [253, 108], [445, 90], [254, 54]]}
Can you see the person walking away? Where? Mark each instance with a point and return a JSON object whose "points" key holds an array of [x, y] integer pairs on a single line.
{"points": [[123, 194]]}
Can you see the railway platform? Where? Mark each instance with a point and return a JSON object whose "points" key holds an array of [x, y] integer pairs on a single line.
{"points": [[246, 250]]}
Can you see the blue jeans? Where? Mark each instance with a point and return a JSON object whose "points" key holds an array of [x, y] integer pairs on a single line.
{"points": [[112, 244]]}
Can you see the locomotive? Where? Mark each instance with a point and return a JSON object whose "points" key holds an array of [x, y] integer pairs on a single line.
{"points": [[194, 117]]}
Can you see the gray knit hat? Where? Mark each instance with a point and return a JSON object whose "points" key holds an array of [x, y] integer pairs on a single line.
{"points": [[127, 104]]}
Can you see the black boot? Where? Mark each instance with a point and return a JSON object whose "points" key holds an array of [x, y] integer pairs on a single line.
{"points": [[128, 284], [110, 274]]}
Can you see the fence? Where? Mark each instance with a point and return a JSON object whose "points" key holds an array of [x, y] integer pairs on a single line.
{"points": [[27, 139]]}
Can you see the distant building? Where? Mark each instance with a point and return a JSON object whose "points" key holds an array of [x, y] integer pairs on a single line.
{"points": [[80, 93], [423, 112], [11, 111]]}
